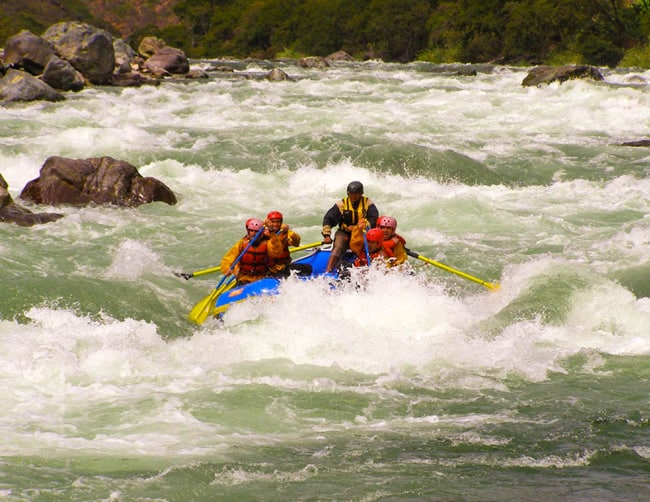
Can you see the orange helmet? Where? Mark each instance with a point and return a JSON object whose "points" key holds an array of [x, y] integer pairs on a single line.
{"points": [[275, 215], [254, 224], [375, 234], [387, 221]]}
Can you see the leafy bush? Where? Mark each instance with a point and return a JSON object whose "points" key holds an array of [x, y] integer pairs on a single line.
{"points": [[638, 57]]}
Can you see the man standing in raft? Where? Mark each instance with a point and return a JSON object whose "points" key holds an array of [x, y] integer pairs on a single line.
{"points": [[355, 210]]}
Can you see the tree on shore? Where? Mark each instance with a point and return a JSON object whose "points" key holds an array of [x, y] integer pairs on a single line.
{"points": [[598, 32]]}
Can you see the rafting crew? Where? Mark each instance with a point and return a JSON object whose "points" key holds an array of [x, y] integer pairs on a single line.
{"points": [[356, 211], [262, 246]]}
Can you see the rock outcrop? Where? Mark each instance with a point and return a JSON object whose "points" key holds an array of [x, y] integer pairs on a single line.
{"points": [[548, 74], [101, 180], [18, 85], [166, 61], [10, 212], [28, 51], [71, 54], [87, 48]]}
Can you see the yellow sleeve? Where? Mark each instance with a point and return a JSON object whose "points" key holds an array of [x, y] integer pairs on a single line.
{"points": [[294, 239], [400, 253], [275, 247], [230, 257]]}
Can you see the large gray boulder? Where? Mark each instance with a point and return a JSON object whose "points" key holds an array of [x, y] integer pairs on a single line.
{"points": [[60, 74], [87, 48], [18, 85], [101, 180], [10, 212], [28, 52]]}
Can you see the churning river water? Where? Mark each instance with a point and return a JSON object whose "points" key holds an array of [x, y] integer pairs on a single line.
{"points": [[416, 387]]}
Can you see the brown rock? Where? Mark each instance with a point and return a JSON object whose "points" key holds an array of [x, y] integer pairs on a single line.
{"points": [[167, 60], [87, 48], [547, 74], [313, 62], [61, 75], [10, 212], [28, 51], [19, 85], [101, 180], [640, 142]]}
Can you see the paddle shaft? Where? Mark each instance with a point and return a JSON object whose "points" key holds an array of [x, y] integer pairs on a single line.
{"points": [[365, 245], [452, 270], [234, 263], [305, 246], [211, 270]]}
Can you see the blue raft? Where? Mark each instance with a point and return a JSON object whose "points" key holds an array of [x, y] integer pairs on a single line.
{"points": [[270, 285]]}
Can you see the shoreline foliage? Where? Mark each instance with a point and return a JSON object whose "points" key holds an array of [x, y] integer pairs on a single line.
{"points": [[515, 32]]}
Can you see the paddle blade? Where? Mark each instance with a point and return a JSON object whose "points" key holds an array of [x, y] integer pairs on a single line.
{"points": [[202, 310], [206, 307]]}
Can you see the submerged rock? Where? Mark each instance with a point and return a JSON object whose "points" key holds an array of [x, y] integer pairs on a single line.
{"points": [[641, 142], [547, 74]]}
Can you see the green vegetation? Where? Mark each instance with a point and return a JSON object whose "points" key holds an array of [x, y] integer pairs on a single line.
{"points": [[599, 32], [520, 32]]}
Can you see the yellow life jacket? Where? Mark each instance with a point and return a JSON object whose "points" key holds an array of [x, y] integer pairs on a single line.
{"points": [[349, 216]]}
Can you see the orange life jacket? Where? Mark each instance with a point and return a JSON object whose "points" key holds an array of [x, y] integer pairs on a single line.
{"points": [[362, 259], [255, 260]]}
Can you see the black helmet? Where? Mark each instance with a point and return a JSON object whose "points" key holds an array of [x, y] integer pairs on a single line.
{"points": [[355, 187]]}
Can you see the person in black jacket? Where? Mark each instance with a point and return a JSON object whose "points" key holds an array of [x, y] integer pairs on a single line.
{"points": [[356, 210]]}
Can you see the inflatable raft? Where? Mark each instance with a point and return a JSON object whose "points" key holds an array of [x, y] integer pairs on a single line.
{"points": [[317, 260]]}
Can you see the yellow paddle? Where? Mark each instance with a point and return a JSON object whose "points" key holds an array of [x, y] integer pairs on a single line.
{"points": [[306, 246], [188, 275], [452, 270], [204, 308]]}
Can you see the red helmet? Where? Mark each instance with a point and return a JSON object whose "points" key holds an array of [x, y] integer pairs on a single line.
{"points": [[387, 221], [275, 215], [254, 224], [375, 234]]}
